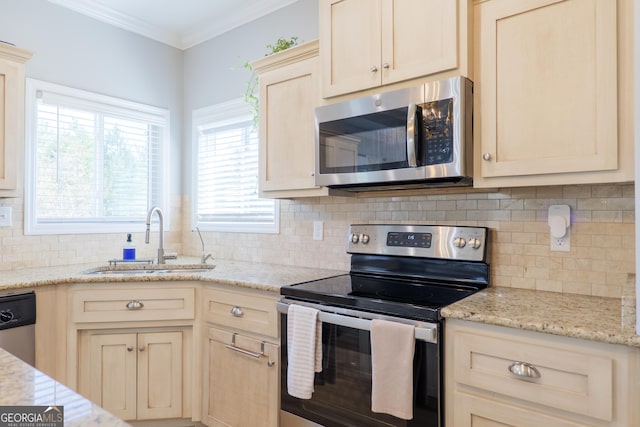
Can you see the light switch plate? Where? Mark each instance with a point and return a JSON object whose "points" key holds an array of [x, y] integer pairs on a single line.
{"points": [[5, 216]]}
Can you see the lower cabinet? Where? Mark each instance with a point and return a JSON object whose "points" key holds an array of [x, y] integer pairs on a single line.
{"points": [[133, 375], [241, 357], [242, 380], [498, 376]]}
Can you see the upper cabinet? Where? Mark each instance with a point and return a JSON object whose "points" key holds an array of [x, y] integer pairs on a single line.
{"points": [[12, 60], [289, 92], [368, 43], [553, 92]]}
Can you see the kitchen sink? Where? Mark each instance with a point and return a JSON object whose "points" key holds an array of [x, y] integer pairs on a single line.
{"points": [[149, 269]]}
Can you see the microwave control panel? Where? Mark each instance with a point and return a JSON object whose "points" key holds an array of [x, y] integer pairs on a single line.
{"points": [[437, 132]]}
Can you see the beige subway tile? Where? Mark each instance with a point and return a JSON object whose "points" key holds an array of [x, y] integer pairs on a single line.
{"points": [[523, 283], [549, 285], [576, 288]]}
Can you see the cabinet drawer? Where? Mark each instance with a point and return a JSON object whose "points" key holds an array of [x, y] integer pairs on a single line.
{"points": [[476, 412], [241, 310], [570, 379], [125, 305]]}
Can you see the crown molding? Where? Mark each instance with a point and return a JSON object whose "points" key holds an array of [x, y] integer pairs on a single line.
{"points": [[195, 35]]}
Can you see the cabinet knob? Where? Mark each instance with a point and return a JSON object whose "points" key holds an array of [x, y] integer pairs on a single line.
{"points": [[373, 69], [237, 311], [385, 65], [486, 157], [129, 348], [141, 348]]}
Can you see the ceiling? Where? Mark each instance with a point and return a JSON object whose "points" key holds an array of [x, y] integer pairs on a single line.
{"points": [[178, 23]]}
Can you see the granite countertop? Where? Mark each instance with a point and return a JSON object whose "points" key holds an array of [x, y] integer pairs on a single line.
{"points": [[23, 385], [266, 277], [578, 316]]}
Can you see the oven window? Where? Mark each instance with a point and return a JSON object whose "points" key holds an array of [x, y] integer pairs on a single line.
{"points": [[364, 143], [342, 391]]}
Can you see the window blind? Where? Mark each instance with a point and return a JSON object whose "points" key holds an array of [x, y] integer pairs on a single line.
{"points": [[228, 176], [94, 160]]}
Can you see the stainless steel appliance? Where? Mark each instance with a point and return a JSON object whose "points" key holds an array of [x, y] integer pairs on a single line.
{"points": [[413, 137], [401, 273], [17, 325]]}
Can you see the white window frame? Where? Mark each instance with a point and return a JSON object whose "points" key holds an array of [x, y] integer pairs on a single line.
{"points": [[223, 114], [31, 226]]}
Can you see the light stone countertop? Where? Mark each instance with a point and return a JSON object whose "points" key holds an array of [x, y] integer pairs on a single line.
{"points": [[578, 316], [265, 277], [23, 385]]}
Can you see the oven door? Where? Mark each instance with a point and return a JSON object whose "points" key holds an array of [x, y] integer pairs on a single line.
{"points": [[342, 391]]}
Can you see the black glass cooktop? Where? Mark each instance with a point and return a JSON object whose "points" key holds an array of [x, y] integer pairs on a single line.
{"points": [[414, 299]]}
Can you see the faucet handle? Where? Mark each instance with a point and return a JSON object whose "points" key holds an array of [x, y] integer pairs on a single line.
{"points": [[204, 258]]}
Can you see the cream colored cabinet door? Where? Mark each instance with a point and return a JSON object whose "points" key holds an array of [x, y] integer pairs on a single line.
{"points": [[546, 92], [289, 93], [242, 381], [111, 379], [350, 45], [368, 43], [12, 61], [160, 375], [133, 376]]}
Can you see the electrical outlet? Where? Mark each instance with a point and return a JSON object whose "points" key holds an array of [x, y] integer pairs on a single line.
{"points": [[561, 244], [318, 229], [5, 216]]}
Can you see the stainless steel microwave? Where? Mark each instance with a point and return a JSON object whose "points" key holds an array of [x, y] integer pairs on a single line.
{"points": [[406, 138]]}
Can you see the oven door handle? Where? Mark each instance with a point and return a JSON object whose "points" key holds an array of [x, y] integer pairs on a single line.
{"points": [[424, 331]]}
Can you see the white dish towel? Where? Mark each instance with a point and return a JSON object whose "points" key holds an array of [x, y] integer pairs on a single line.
{"points": [[392, 349], [304, 349]]}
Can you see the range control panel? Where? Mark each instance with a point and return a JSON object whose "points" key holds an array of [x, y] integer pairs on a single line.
{"points": [[426, 241]]}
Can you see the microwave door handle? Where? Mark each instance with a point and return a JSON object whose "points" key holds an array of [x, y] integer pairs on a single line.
{"points": [[411, 135]]}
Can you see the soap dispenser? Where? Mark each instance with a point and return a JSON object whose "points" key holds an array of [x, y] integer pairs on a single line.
{"points": [[129, 249]]}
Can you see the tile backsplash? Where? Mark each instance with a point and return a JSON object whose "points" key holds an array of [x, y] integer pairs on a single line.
{"points": [[601, 261]]}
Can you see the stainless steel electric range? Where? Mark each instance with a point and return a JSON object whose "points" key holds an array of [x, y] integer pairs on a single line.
{"points": [[399, 273]]}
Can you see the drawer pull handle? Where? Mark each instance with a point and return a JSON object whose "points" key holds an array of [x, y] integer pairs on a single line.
{"points": [[524, 370], [135, 305], [237, 311], [233, 347]]}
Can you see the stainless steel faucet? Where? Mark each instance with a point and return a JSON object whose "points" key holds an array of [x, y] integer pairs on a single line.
{"points": [[161, 255]]}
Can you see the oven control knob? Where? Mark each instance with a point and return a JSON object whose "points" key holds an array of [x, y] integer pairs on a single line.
{"points": [[364, 238], [475, 243], [355, 238], [6, 316], [459, 242]]}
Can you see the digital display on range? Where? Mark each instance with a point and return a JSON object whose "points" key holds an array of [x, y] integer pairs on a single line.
{"points": [[409, 240]]}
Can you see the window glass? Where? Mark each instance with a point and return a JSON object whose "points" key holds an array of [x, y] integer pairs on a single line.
{"points": [[95, 163], [226, 172]]}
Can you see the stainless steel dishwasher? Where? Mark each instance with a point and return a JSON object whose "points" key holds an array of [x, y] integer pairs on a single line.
{"points": [[17, 325]]}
